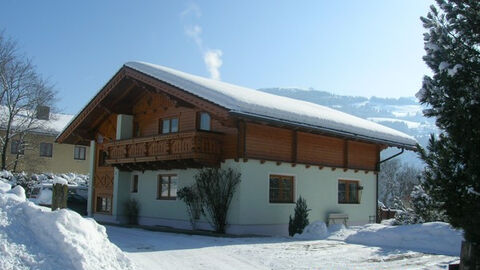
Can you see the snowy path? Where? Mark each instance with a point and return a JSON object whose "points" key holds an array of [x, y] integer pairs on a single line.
{"points": [[158, 250]]}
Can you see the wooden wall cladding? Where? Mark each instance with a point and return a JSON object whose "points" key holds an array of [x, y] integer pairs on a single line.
{"points": [[153, 107], [265, 142], [362, 155], [317, 149], [229, 139], [108, 128]]}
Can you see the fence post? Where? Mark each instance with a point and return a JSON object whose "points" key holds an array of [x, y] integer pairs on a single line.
{"points": [[59, 195]]}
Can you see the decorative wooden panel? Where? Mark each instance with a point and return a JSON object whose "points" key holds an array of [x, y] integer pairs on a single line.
{"points": [[205, 147], [267, 142], [318, 149], [103, 179]]}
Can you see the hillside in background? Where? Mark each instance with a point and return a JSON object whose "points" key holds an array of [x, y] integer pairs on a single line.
{"points": [[403, 114]]}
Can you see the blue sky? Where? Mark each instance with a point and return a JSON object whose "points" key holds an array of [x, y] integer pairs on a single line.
{"points": [[365, 48]]}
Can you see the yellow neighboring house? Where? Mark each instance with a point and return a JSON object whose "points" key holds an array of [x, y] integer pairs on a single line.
{"points": [[42, 155]]}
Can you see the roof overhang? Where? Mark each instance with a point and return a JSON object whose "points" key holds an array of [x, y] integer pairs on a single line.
{"points": [[321, 130], [126, 85]]}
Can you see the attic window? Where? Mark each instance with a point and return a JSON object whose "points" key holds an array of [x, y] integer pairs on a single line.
{"points": [[169, 125], [43, 112], [204, 121]]}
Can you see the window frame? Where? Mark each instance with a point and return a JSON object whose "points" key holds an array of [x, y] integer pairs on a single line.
{"points": [[134, 185], [281, 188], [169, 197], [347, 191], [14, 150], [84, 152], [199, 126], [102, 156], [99, 204], [169, 119], [40, 149]]}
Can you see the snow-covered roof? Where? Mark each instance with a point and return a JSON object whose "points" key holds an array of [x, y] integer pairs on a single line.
{"points": [[254, 103], [53, 126]]}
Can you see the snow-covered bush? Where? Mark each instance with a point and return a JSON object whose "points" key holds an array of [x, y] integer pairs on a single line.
{"points": [[28, 182], [424, 209]]}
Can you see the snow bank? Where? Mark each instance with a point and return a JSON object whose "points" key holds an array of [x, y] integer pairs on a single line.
{"points": [[315, 231], [433, 237], [4, 187], [33, 237], [45, 197], [318, 230]]}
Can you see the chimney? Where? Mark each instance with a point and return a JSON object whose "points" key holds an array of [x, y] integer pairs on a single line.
{"points": [[43, 112]]}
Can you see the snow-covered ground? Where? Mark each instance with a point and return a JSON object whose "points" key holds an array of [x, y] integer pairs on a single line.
{"points": [[160, 250], [33, 237]]}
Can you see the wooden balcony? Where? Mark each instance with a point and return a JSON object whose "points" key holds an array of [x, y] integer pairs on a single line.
{"points": [[173, 151]]}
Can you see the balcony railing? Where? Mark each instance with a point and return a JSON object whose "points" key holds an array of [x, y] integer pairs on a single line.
{"points": [[203, 148]]}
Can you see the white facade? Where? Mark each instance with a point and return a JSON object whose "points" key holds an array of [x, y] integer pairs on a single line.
{"points": [[250, 211]]}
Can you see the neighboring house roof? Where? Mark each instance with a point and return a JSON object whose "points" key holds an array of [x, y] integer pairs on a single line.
{"points": [[256, 104], [53, 127]]}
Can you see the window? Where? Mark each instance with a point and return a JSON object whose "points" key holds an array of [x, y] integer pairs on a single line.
{"points": [[281, 189], [135, 184], [102, 155], [104, 204], [167, 187], [348, 191], [79, 152], [136, 129], [204, 121], [17, 147], [46, 149], [169, 125]]}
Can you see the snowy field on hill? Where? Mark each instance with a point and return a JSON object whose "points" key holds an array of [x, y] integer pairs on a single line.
{"points": [[33, 237], [336, 250]]}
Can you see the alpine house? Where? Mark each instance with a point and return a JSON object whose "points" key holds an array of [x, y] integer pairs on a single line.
{"points": [[151, 127]]}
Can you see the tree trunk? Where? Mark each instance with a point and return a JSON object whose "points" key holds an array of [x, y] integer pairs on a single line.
{"points": [[470, 256], [5, 143], [59, 196]]}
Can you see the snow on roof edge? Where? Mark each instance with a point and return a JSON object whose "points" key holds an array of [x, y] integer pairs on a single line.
{"points": [[301, 112]]}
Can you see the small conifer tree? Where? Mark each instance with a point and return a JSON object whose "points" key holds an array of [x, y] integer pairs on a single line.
{"points": [[300, 218]]}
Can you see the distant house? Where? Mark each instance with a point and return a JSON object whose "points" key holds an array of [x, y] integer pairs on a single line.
{"points": [[151, 127], [38, 152]]}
